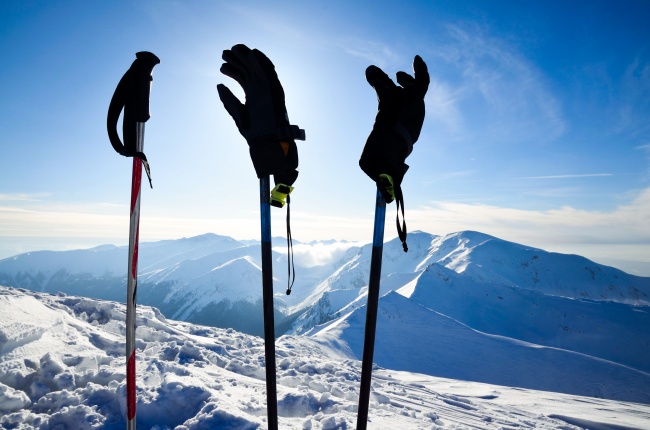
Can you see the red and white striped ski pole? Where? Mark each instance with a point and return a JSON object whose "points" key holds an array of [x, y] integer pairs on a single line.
{"points": [[132, 284], [132, 94]]}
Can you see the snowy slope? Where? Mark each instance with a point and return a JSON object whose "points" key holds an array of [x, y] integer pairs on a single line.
{"points": [[613, 331], [62, 366], [350, 280], [413, 338]]}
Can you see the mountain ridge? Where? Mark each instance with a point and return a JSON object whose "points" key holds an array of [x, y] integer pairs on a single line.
{"points": [[491, 285]]}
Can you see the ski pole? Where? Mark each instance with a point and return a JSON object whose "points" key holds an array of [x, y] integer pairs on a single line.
{"points": [[132, 283], [267, 298], [371, 311], [397, 127], [132, 94], [263, 121]]}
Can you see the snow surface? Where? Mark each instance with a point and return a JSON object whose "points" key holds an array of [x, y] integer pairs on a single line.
{"points": [[62, 366], [466, 306], [413, 338]]}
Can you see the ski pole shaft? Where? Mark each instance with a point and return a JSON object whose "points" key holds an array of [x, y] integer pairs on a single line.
{"points": [[132, 97], [132, 280], [371, 312], [267, 298]]}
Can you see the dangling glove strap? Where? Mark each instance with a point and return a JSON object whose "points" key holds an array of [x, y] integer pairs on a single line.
{"points": [[391, 192], [279, 195]]}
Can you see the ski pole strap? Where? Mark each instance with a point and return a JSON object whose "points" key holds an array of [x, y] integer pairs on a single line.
{"points": [[401, 229], [291, 267], [279, 196], [394, 191], [132, 96]]}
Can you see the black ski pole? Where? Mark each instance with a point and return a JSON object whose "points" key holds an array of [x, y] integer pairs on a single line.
{"points": [[267, 303], [371, 311], [397, 127], [264, 123], [132, 94]]}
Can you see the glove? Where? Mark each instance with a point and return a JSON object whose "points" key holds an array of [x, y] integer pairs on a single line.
{"points": [[263, 119], [397, 125]]}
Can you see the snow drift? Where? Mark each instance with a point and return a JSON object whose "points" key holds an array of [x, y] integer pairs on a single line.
{"points": [[62, 366]]}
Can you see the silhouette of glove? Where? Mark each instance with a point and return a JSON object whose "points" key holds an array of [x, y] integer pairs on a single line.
{"points": [[397, 125], [263, 119]]}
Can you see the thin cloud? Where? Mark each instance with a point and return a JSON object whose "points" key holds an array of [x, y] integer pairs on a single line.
{"points": [[565, 227], [646, 149], [571, 176], [379, 54], [493, 78], [23, 197], [442, 102]]}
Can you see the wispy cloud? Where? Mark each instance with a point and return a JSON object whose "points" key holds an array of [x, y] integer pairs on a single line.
{"points": [[60, 221], [494, 84], [565, 228], [646, 149], [372, 52], [23, 197], [443, 104], [634, 98], [623, 232], [570, 176]]}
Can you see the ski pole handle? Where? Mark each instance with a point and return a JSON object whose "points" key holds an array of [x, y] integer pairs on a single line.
{"points": [[143, 68], [132, 95]]}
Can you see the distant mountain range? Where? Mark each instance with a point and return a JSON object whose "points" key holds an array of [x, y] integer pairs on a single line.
{"points": [[520, 303]]}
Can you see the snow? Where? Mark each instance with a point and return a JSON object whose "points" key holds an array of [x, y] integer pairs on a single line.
{"points": [[473, 332], [453, 348], [62, 366]]}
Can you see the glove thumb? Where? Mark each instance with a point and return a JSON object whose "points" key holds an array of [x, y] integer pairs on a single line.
{"points": [[232, 104]]}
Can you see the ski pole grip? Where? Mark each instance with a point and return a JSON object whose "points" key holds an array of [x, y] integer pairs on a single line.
{"points": [[142, 69], [132, 96]]}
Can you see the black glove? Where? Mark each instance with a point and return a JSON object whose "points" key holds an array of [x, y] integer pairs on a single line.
{"points": [[397, 125], [263, 119]]}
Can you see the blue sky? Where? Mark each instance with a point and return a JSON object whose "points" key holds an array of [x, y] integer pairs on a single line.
{"points": [[536, 129]]}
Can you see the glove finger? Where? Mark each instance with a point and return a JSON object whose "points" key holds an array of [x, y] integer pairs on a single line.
{"points": [[237, 54], [263, 65], [404, 79], [234, 72], [379, 81], [421, 74], [231, 103], [266, 70], [236, 65]]}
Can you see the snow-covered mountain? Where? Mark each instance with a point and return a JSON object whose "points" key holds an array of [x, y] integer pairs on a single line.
{"points": [[207, 279], [471, 257], [562, 307], [62, 366], [414, 338]]}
